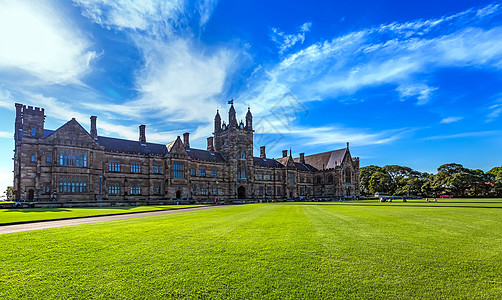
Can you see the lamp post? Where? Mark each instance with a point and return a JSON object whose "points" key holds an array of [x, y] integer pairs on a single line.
{"points": [[217, 193]]}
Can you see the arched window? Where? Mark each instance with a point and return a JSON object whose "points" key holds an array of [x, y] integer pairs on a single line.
{"points": [[318, 180], [330, 179], [348, 176]]}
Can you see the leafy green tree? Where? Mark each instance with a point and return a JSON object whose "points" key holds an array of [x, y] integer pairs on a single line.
{"points": [[365, 174], [381, 182]]}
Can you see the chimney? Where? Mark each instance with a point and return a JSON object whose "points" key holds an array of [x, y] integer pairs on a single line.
{"points": [[210, 144], [142, 135], [302, 158], [262, 152], [284, 153], [94, 130], [186, 139]]}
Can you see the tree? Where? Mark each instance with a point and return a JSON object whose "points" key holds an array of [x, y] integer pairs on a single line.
{"points": [[365, 174], [9, 193]]}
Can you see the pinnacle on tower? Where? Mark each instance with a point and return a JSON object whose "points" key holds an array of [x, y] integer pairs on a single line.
{"points": [[232, 120]]}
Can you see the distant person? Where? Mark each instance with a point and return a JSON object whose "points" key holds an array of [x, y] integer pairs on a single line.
{"points": [[435, 200], [426, 199], [404, 200]]}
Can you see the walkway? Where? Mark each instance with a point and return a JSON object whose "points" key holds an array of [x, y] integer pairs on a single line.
{"points": [[71, 222]]}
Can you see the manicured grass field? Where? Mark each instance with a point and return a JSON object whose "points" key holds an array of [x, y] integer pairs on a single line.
{"points": [[275, 251], [32, 214]]}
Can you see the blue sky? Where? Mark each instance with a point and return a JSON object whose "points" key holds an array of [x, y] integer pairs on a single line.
{"points": [[415, 83]]}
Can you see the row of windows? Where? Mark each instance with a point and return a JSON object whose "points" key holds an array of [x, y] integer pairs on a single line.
{"points": [[135, 189], [114, 166], [267, 177], [202, 172], [203, 190], [71, 158], [72, 185]]}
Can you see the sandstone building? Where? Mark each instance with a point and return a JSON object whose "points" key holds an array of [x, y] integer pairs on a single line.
{"points": [[81, 166]]}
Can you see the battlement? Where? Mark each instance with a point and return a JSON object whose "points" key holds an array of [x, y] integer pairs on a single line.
{"points": [[33, 110]]}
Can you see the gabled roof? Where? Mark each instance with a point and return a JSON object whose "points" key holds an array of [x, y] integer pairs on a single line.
{"points": [[72, 127], [205, 155], [121, 145], [326, 160], [266, 162]]}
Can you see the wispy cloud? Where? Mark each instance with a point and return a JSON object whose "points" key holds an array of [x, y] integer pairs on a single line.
{"points": [[286, 41], [495, 111], [464, 135], [395, 54], [36, 39], [451, 120], [4, 134]]}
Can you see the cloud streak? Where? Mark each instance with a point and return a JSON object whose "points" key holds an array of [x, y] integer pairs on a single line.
{"points": [[36, 39]]}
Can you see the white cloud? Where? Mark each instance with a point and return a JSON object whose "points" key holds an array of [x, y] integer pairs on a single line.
{"points": [[286, 41], [150, 16], [35, 38], [451, 120], [178, 83], [158, 18]]}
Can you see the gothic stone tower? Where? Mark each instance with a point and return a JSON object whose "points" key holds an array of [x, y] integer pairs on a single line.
{"points": [[235, 142]]}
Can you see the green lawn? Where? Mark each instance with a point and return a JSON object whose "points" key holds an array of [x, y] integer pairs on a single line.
{"points": [[32, 214], [274, 251]]}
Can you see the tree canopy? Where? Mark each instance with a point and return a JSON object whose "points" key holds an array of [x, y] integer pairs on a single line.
{"points": [[451, 179]]}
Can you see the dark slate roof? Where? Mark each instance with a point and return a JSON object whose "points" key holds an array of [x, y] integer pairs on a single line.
{"points": [[325, 160], [266, 162], [120, 145], [47, 132], [205, 155], [304, 167]]}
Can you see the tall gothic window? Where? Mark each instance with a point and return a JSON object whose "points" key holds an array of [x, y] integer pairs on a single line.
{"points": [[179, 170], [135, 167], [348, 176]]}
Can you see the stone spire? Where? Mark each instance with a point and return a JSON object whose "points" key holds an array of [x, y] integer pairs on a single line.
{"points": [[232, 120], [217, 122], [249, 120]]}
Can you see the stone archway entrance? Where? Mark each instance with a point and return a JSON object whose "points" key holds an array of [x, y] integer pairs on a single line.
{"points": [[178, 194], [31, 195], [241, 192]]}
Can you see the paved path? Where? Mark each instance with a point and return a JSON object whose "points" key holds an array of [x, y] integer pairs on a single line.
{"points": [[71, 222]]}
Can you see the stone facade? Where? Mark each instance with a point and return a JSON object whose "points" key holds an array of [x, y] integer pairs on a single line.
{"points": [[80, 166]]}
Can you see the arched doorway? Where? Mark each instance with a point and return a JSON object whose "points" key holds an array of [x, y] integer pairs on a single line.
{"points": [[241, 192], [31, 195], [178, 194]]}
